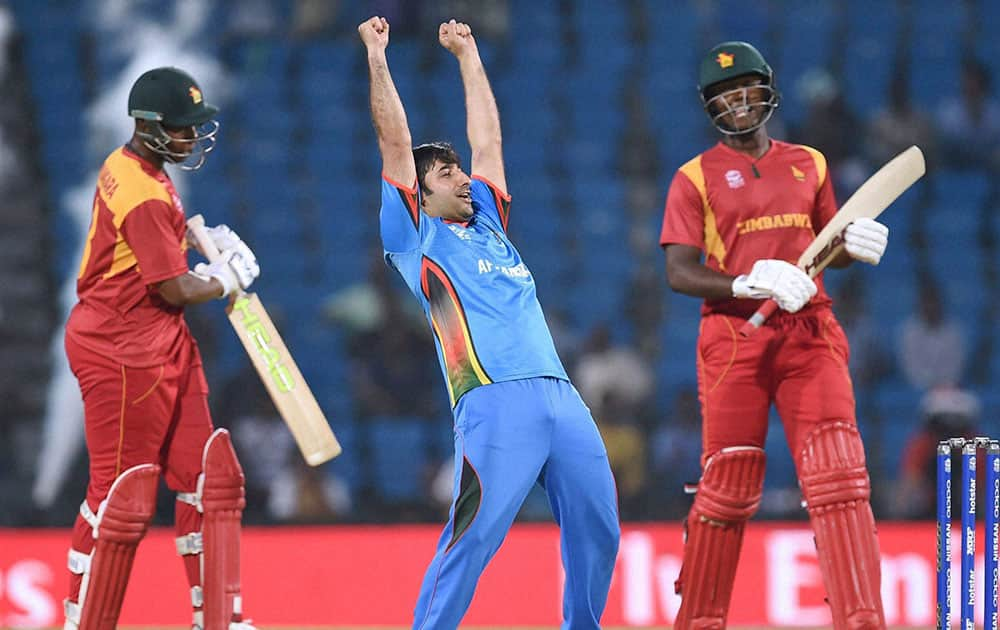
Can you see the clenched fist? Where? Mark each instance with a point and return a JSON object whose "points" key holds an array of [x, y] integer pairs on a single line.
{"points": [[865, 240], [374, 33], [457, 38]]}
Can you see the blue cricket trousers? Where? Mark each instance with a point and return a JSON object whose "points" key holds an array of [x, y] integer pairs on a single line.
{"points": [[508, 436]]}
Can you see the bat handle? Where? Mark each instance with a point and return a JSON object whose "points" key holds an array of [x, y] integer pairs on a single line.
{"points": [[757, 319], [206, 245], [196, 225]]}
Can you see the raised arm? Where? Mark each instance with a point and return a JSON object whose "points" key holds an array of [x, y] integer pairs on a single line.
{"points": [[480, 106], [387, 110]]}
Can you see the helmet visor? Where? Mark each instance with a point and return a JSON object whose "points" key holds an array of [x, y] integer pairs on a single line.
{"points": [[741, 109], [188, 152]]}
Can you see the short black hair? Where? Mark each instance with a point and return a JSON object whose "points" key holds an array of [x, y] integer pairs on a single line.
{"points": [[425, 155]]}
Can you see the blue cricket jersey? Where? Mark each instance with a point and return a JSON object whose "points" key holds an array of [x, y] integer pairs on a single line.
{"points": [[477, 293]]}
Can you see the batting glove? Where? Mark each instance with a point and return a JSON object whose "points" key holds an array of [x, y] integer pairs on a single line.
{"points": [[865, 240], [237, 268], [782, 281], [222, 236]]}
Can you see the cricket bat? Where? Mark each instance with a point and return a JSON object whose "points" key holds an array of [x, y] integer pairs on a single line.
{"points": [[275, 366], [874, 196]]}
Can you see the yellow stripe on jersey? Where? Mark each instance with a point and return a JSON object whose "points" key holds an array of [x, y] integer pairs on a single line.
{"points": [[713, 241], [90, 239], [820, 161], [138, 188]]}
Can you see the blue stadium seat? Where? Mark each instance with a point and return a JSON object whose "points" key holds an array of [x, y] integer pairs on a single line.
{"points": [[542, 56], [597, 18], [262, 60], [806, 46], [592, 154], [954, 224], [960, 187], [600, 201], [321, 90], [900, 218], [934, 57], [340, 128], [323, 158], [285, 295], [441, 440], [676, 364], [989, 398], [534, 21], [214, 199], [329, 58], [683, 310], [898, 406], [347, 466], [598, 300], [780, 465], [868, 67], [938, 21], [899, 258], [398, 450], [42, 20], [987, 20], [870, 60], [896, 295], [742, 21]]}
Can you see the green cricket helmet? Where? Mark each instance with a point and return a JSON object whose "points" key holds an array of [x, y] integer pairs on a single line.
{"points": [[169, 98], [730, 60]]}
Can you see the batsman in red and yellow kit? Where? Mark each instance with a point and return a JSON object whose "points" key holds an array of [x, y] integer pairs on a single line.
{"points": [[140, 373], [737, 217]]}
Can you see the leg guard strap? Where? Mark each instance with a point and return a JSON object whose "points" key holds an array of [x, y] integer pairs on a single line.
{"points": [[191, 498], [835, 485], [88, 515], [78, 564], [189, 544], [72, 612], [728, 495]]}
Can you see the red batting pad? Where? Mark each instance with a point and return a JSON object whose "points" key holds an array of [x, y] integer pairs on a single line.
{"points": [[123, 522], [223, 502], [728, 495], [835, 484]]}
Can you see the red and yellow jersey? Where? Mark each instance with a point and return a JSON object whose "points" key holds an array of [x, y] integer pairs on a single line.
{"points": [[739, 211], [136, 240]]}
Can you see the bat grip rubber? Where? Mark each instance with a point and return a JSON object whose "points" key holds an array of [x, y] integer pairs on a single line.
{"points": [[757, 319], [197, 226]]}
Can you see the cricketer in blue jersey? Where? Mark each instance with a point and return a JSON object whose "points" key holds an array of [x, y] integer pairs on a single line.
{"points": [[518, 420]]}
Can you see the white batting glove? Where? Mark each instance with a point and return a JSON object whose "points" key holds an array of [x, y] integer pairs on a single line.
{"points": [[222, 236], [236, 269], [865, 240], [788, 285]]}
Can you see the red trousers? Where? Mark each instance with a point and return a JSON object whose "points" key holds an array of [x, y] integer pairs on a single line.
{"points": [[142, 415], [798, 362]]}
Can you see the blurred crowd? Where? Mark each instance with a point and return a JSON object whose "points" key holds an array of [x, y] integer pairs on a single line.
{"points": [[936, 361]]}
